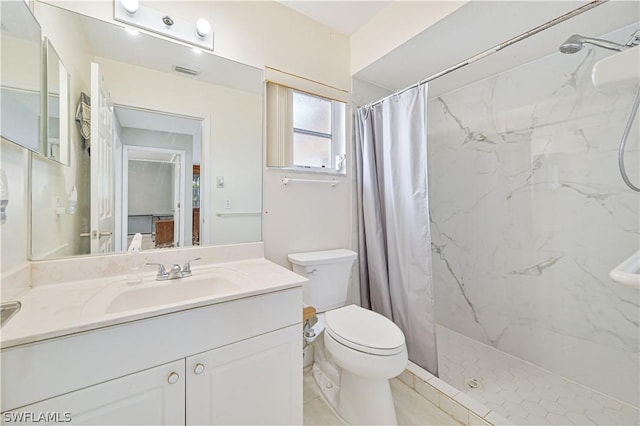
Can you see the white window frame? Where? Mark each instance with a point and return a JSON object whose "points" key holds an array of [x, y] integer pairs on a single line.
{"points": [[331, 136], [280, 130]]}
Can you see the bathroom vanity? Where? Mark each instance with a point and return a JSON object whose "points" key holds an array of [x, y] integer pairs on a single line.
{"points": [[231, 356]]}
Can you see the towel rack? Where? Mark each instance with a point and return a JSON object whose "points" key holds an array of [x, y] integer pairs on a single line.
{"points": [[287, 180], [238, 214]]}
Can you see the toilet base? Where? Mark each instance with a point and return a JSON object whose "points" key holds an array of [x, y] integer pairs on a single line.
{"points": [[365, 401], [307, 356]]}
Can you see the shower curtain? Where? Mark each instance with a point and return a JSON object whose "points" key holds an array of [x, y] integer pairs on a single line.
{"points": [[393, 223]]}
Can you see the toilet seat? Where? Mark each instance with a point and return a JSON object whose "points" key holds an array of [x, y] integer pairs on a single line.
{"points": [[364, 330]]}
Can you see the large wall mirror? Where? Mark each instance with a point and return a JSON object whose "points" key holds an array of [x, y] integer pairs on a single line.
{"points": [[165, 140], [21, 76]]}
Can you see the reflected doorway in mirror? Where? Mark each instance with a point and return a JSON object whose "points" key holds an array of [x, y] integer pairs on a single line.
{"points": [[154, 180]]}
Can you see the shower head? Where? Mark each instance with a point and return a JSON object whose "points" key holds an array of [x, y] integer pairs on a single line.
{"points": [[572, 45], [577, 42]]}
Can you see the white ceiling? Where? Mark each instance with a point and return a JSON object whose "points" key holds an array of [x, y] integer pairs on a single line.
{"points": [[345, 17]]}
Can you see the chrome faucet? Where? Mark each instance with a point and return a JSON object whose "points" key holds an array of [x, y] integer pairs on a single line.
{"points": [[176, 272]]}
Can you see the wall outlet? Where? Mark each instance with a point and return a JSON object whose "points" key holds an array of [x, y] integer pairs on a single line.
{"points": [[227, 203]]}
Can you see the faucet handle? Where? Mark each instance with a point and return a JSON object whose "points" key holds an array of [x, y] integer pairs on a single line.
{"points": [[162, 272], [186, 269]]}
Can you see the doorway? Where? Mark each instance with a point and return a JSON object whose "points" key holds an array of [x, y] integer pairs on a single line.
{"points": [[156, 154], [153, 199]]}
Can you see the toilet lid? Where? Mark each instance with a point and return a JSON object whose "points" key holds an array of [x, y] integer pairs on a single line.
{"points": [[364, 330]]}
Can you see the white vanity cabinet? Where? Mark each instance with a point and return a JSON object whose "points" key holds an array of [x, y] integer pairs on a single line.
{"points": [[237, 362], [249, 382], [151, 397]]}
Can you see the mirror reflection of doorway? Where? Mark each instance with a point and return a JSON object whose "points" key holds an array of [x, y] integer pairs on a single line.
{"points": [[153, 185], [157, 154]]}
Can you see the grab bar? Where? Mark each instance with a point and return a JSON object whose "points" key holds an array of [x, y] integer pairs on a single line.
{"points": [[237, 214]]}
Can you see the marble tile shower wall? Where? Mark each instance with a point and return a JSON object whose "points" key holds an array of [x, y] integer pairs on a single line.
{"points": [[529, 214]]}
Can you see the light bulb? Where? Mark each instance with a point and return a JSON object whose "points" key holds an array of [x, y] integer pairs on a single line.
{"points": [[203, 27], [132, 31], [131, 6]]}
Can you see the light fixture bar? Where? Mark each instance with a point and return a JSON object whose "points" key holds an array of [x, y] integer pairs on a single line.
{"points": [[147, 18]]}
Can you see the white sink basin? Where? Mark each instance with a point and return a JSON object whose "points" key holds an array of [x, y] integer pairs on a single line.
{"points": [[122, 297]]}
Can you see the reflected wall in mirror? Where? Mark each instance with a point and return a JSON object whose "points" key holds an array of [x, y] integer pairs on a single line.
{"points": [[57, 106], [147, 94], [21, 76]]}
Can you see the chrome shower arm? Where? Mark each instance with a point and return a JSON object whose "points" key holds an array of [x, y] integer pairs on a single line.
{"points": [[634, 40], [606, 44]]}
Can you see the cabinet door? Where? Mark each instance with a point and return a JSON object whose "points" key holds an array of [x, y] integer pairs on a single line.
{"points": [[256, 381], [150, 397]]}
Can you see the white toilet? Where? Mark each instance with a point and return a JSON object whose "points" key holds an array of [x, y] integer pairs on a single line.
{"points": [[359, 350]]}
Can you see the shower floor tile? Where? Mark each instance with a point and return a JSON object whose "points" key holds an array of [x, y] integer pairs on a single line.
{"points": [[521, 392], [411, 408]]}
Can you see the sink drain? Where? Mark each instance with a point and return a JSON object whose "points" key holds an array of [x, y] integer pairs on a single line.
{"points": [[473, 383]]}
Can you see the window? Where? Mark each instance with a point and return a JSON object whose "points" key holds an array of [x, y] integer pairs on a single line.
{"points": [[304, 131], [312, 131]]}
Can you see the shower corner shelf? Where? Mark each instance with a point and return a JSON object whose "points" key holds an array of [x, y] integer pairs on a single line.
{"points": [[628, 272]]}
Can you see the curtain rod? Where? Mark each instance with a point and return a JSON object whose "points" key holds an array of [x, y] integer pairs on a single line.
{"points": [[498, 47], [308, 79]]}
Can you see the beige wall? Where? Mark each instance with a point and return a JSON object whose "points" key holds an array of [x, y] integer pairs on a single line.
{"points": [[394, 25]]}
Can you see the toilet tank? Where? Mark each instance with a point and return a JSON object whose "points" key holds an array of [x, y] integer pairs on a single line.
{"points": [[328, 272]]}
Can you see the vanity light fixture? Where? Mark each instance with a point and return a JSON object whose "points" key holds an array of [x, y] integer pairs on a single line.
{"points": [[132, 31], [203, 27], [138, 15]]}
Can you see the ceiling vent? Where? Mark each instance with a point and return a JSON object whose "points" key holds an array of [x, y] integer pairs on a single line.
{"points": [[184, 70]]}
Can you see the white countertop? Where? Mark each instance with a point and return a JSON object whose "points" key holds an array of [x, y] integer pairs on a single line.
{"points": [[56, 310]]}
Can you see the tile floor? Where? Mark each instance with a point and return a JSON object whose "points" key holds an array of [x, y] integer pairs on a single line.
{"points": [[411, 408], [522, 392]]}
